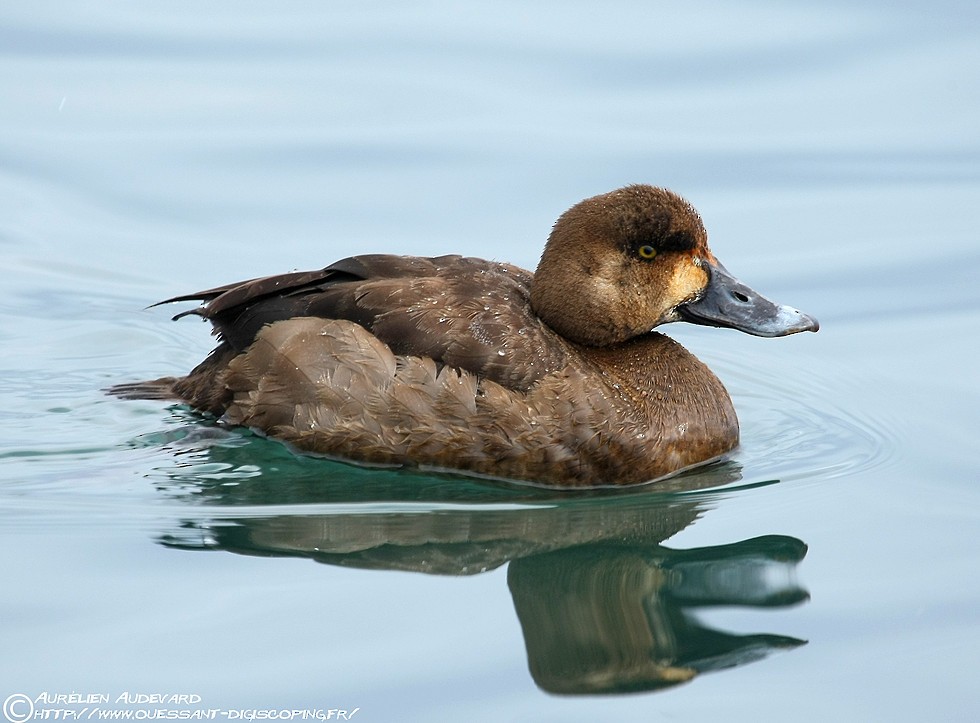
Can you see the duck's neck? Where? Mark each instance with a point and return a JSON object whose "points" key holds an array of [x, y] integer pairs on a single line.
{"points": [[682, 401]]}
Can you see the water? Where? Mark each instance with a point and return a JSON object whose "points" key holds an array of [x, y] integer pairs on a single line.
{"points": [[825, 572]]}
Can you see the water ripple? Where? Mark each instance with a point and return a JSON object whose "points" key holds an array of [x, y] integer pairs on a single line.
{"points": [[793, 426]]}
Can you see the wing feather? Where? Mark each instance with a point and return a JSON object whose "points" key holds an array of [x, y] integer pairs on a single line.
{"points": [[465, 313]]}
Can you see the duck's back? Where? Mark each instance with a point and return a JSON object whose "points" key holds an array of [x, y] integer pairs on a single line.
{"points": [[467, 313]]}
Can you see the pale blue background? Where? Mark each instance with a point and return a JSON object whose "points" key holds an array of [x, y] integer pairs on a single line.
{"points": [[149, 149]]}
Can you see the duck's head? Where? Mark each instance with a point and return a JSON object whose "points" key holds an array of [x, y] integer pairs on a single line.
{"points": [[620, 264]]}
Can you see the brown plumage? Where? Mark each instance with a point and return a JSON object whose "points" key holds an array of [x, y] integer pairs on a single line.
{"points": [[465, 364]]}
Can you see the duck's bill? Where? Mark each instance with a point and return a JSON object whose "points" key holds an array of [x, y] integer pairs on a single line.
{"points": [[727, 302]]}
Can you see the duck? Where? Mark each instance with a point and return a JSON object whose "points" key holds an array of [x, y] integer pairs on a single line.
{"points": [[460, 364]]}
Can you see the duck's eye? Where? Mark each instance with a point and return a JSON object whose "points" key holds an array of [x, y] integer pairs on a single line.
{"points": [[646, 251]]}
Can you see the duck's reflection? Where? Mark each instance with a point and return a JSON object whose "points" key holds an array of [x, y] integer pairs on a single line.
{"points": [[611, 618], [597, 617], [603, 605]]}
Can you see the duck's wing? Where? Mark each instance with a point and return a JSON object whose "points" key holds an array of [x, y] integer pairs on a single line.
{"points": [[463, 312]]}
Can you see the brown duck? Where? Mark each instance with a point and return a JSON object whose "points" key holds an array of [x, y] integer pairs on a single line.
{"points": [[458, 363]]}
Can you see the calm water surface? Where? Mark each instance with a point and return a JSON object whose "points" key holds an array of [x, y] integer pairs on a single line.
{"points": [[826, 571]]}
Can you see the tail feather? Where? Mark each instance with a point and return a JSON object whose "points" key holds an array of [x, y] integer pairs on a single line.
{"points": [[162, 388]]}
